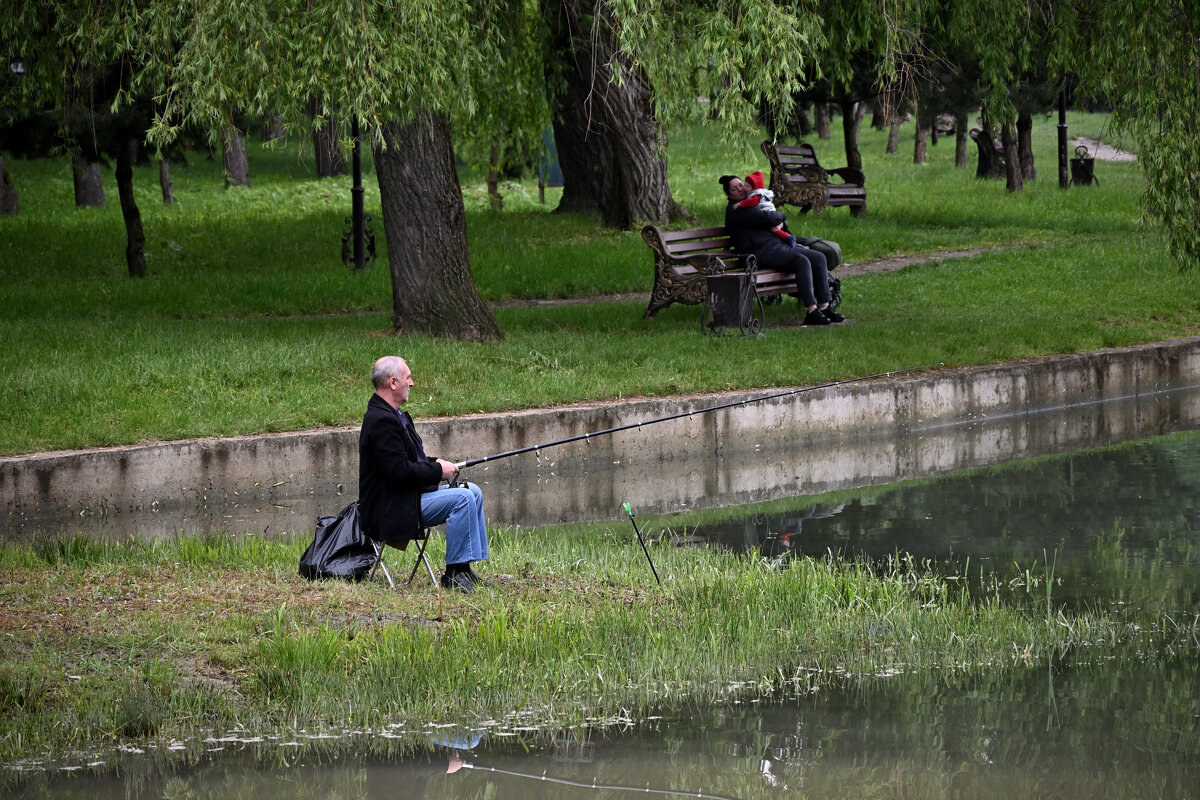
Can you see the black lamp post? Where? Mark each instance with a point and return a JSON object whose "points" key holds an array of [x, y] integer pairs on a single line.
{"points": [[1063, 181], [358, 240]]}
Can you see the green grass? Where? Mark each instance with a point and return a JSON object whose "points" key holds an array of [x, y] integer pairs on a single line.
{"points": [[248, 322], [113, 642]]}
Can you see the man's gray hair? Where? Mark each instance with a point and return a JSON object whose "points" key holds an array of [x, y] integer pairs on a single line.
{"points": [[385, 368]]}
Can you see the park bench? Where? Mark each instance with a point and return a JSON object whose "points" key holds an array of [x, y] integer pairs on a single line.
{"points": [[683, 261], [798, 179]]}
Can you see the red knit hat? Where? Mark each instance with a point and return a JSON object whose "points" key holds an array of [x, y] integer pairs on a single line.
{"points": [[756, 180]]}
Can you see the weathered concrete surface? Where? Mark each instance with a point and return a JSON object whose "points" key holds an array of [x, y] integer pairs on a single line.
{"points": [[857, 434]]}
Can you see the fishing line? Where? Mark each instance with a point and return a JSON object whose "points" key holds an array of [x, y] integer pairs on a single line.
{"points": [[587, 436]]}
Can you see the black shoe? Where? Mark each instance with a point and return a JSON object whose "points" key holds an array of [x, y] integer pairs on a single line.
{"points": [[832, 315], [475, 579], [459, 581], [816, 317]]}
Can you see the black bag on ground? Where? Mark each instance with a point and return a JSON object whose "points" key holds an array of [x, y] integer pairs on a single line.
{"points": [[339, 550], [831, 250]]}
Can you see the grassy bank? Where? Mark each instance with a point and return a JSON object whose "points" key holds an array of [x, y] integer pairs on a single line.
{"points": [[138, 642], [249, 323]]}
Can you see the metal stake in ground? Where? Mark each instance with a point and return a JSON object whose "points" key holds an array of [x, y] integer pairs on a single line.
{"points": [[638, 530]]}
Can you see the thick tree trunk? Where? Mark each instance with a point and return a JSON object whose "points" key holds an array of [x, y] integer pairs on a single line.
{"points": [[893, 141], [1025, 145], [495, 199], [89, 186], [961, 139], [821, 112], [433, 291], [164, 181], [920, 136], [610, 146], [1012, 160], [327, 150], [878, 117], [272, 128], [852, 117], [991, 153], [135, 237], [10, 203], [237, 166]]}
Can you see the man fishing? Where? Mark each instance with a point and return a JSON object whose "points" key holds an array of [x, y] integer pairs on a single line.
{"points": [[399, 491]]}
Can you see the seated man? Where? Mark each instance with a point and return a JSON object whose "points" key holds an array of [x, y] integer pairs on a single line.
{"points": [[398, 485]]}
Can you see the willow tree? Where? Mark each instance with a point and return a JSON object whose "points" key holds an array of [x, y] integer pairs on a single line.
{"points": [[617, 69], [79, 63], [400, 69], [1144, 58]]}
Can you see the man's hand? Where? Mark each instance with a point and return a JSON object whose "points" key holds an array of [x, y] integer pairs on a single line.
{"points": [[449, 470]]}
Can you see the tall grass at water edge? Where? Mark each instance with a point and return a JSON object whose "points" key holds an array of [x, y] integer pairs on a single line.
{"points": [[132, 641], [248, 322]]}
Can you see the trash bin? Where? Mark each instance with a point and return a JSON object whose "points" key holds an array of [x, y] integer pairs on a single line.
{"points": [[729, 302], [1083, 168]]}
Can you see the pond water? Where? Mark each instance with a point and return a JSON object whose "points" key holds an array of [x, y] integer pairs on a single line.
{"points": [[1116, 527]]}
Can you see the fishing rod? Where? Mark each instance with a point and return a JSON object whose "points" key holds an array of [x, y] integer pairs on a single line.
{"points": [[585, 436]]}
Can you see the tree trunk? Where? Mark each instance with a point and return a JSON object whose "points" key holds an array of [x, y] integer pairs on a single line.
{"points": [[610, 146], [495, 199], [237, 167], [1012, 160], [1025, 145], [89, 186], [893, 142], [961, 148], [10, 203], [164, 181], [272, 128], [852, 116], [424, 221], [921, 134], [878, 118], [804, 125], [135, 237], [991, 153], [821, 112], [327, 150]]}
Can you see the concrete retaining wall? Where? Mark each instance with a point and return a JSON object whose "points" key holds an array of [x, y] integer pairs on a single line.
{"points": [[274, 482]]}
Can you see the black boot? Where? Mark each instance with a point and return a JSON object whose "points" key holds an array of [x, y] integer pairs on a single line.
{"points": [[456, 577], [475, 579]]}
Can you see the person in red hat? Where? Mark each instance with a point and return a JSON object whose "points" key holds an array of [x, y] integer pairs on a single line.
{"points": [[764, 200]]}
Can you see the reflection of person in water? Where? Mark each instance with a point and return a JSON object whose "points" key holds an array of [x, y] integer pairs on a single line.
{"points": [[783, 545], [413, 778]]}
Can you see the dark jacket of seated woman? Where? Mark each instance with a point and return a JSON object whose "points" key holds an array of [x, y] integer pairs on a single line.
{"points": [[750, 229]]}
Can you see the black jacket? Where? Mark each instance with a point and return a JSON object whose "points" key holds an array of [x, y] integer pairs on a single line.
{"points": [[392, 471], [750, 231]]}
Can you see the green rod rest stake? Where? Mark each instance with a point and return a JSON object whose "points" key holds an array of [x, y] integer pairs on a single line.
{"points": [[629, 511]]}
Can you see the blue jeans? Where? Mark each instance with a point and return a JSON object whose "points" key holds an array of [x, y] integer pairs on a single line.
{"points": [[462, 511]]}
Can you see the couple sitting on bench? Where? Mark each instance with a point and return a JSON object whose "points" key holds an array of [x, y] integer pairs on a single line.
{"points": [[755, 226]]}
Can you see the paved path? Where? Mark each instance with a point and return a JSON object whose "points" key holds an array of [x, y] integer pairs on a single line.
{"points": [[844, 271]]}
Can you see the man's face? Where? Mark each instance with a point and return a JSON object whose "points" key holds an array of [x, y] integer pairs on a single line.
{"points": [[401, 383], [738, 190]]}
